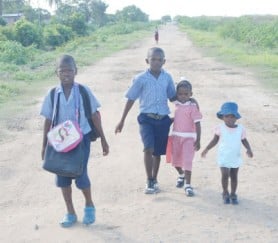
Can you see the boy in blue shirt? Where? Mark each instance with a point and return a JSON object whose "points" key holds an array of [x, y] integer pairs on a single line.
{"points": [[153, 88], [66, 71]]}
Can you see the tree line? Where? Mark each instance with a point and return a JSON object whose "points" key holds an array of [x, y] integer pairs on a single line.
{"points": [[72, 18]]}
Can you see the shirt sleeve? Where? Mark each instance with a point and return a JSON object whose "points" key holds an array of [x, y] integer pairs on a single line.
{"points": [[171, 90], [47, 107], [243, 135], [134, 91], [217, 130], [196, 114]]}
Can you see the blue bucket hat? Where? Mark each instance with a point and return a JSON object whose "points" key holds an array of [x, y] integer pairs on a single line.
{"points": [[228, 108]]}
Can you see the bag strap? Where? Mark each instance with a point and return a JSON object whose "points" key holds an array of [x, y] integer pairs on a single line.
{"points": [[55, 97], [86, 101]]}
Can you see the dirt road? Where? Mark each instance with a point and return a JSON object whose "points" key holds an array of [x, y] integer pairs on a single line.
{"points": [[31, 206]]}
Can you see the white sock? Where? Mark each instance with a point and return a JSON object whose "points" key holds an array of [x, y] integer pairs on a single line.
{"points": [[182, 175]]}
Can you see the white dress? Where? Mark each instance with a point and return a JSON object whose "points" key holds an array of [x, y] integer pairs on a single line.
{"points": [[229, 148]]}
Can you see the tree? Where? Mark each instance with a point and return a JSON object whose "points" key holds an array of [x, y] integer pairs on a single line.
{"points": [[11, 6], [132, 13], [98, 9], [166, 18]]}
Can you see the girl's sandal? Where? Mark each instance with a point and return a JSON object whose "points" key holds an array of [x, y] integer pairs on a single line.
{"points": [[189, 191], [68, 220], [89, 215]]}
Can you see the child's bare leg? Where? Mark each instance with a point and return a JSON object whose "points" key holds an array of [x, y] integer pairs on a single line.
{"points": [[88, 197], [225, 179], [187, 176], [180, 170], [234, 180], [155, 169], [148, 160], [67, 194]]}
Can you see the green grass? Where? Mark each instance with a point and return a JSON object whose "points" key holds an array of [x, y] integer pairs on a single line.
{"points": [[262, 62], [22, 85]]}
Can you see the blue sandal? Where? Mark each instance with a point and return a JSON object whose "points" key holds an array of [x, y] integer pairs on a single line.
{"points": [[89, 215], [68, 220]]}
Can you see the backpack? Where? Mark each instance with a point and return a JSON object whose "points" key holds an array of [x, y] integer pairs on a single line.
{"points": [[87, 108]]}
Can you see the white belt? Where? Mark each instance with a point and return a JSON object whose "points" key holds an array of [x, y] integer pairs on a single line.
{"points": [[184, 134]]}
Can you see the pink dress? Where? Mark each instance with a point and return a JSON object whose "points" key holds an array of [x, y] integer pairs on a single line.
{"points": [[180, 148]]}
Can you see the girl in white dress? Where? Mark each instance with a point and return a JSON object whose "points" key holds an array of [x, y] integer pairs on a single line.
{"points": [[230, 136]]}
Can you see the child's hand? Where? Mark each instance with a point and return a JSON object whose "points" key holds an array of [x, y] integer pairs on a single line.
{"points": [[249, 153], [119, 127], [42, 153], [197, 145], [105, 146], [204, 153]]}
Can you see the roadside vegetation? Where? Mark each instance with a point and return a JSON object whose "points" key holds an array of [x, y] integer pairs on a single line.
{"points": [[29, 47], [247, 41]]}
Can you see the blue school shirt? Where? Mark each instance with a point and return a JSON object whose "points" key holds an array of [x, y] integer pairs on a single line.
{"points": [[67, 108], [153, 93]]}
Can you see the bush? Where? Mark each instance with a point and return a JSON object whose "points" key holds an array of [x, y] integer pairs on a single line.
{"points": [[14, 52], [78, 24], [65, 31], [52, 37], [2, 22], [7, 31], [26, 33]]}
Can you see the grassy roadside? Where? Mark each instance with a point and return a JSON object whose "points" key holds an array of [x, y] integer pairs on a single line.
{"points": [[25, 85], [18, 83], [263, 63]]}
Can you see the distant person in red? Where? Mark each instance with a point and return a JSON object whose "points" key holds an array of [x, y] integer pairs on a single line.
{"points": [[156, 36]]}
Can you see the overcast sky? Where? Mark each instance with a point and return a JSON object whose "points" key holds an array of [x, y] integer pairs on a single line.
{"points": [[157, 8]]}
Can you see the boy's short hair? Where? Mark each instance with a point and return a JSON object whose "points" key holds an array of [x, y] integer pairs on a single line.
{"points": [[66, 59], [155, 50]]}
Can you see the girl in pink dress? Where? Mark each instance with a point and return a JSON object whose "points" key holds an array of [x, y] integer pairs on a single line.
{"points": [[185, 137]]}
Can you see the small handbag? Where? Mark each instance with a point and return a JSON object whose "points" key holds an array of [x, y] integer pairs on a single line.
{"points": [[64, 154], [69, 164], [65, 136]]}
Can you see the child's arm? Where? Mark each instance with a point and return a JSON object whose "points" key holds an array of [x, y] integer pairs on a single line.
{"points": [[247, 146], [212, 143], [127, 108], [196, 102], [198, 138], [46, 128], [97, 123]]}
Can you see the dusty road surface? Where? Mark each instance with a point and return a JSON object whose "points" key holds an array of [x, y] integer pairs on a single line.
{"points": [[31, 206]]}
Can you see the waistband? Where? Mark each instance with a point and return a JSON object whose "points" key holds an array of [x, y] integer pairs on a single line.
{"points": [[155, 116]]}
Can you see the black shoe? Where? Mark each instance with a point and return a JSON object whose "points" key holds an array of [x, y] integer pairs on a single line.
{"points": [[189, 191], [156, 186], [180, 182], [149, 187], [234, 199], [226, 198]]}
